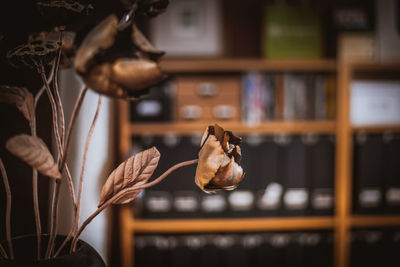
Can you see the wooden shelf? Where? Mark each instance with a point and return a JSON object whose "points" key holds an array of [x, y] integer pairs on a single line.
{"points": [[375, 221], [231, 225], [273, 127], [377, 128], [373, 66], [238, 65]]}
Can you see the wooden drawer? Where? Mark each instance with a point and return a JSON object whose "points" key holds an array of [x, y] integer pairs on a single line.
{"points": [[208, 98]]}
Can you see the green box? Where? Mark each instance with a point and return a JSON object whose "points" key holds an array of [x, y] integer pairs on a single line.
{"points": [[291, 31]]}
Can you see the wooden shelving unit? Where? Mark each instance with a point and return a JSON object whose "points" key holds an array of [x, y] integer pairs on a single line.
{"points": [[238, 65], [273, 127], [342, 221]]}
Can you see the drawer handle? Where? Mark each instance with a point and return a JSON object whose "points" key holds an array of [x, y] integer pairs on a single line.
{"points": [[224, 112], [191, 112], [207, 89]]}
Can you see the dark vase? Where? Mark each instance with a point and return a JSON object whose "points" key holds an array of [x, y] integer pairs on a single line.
{"points": [[25, 254]]}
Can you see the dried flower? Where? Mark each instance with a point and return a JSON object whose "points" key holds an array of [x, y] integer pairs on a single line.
{"points": [[219, 160], [107, 72], [33, 54]]}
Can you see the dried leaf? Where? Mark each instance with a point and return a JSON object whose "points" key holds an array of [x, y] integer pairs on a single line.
{"points": [[22, 99], [133, 172], [35, 153]]}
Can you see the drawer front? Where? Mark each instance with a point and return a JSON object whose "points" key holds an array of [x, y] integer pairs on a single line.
{"points": [[206, 98]]}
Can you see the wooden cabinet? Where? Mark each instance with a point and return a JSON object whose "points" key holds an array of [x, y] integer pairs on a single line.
{"points": [[340, 223]]}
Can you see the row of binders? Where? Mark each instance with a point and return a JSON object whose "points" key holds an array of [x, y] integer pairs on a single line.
{"points": [[375, 247], [376, 187], [285, 175], [288, 96], [283, 249]]}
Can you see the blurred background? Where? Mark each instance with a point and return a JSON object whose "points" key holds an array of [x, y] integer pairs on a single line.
{"points": [[312, 87]]}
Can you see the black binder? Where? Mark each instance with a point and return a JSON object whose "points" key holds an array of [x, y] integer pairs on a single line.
{"points": [[392, 172], [296, 184], [367, 248], [320, 166], [155, 106], [268, 187], [368, 173]]}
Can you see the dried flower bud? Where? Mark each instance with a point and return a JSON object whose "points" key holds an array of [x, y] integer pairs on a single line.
{"points": [[111, 72], [33, 54], [219, 160], [125, 78]]}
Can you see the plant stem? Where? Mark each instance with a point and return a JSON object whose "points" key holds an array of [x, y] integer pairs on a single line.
{"points": [[57, 184], [35, 196], [3, 252], [43, 88], [76, 221], [8, 208], [57, 92], [124, 192], [71, 125]]}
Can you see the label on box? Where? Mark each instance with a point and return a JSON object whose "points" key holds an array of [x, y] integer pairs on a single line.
{"points": [[270, 199], [158, 201], [296, 198], [148, 108], [186, 202], [393, 196], [322, 199], [213, 203], [241, 200], [370, 197]]}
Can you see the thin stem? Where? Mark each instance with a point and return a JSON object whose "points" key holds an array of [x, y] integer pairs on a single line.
{"points": [[70, 187], [3, 252], [35, 196], [57, 92], [71, 125], [8, 208], [77, 214], [43, 88], [125, 192], [57, 184], [53, 218]]}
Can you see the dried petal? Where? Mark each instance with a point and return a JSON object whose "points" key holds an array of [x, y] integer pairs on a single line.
{"points": [[35, 153], [99, 38], [126, 78], [22, 99], [133, 172], [219, 160], [144, 45]]}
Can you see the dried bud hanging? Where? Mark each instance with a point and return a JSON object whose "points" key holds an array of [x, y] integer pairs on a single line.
{"points": [[107, 70], [219, 160]]}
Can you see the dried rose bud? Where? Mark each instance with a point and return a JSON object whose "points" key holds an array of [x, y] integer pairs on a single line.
{"points": [[108, 69], [125, 78], [219, 160]]}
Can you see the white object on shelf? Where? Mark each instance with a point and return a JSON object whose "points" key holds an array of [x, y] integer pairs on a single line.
{"points": [[188, 28], [375, 102]]}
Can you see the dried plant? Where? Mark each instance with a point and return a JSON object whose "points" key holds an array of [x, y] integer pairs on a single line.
{"points": [[126, 77]]}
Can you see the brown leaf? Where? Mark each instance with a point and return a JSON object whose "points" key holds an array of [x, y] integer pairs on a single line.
{"points": [[133, 172], [22, 99], [35, 153]]}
